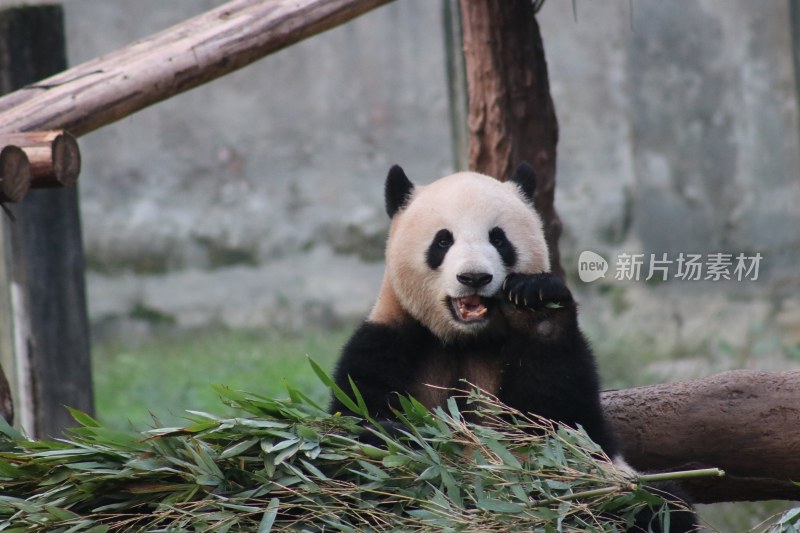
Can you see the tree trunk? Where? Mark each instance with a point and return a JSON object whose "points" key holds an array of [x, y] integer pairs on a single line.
{"points": [[745, 422], [511, 115], [180, 58]]}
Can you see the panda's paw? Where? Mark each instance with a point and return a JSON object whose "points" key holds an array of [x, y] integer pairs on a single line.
{"points": [[537, 291]]}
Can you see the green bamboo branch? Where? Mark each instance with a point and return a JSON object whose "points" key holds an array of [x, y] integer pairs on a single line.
{"points": [[682, 474]]}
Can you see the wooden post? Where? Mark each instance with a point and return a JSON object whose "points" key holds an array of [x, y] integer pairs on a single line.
{"points": [[52, 367], [511, 114]]}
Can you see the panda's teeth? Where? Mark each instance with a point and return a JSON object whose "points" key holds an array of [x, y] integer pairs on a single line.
{"points": [[470, 307]]}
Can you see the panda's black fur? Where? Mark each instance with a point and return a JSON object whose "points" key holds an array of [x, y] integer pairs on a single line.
{"points": [[529, 352], [552, 377]]}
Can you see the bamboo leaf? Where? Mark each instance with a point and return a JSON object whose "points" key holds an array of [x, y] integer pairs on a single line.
{"points": [[9, 471], [434, 471], [372, 452], [452, 407], [272, 448], [61, 514], [395, 461], [269, 516], [239, 448], [307, 432], [298, 396], [287, 453], [82, 418], [372, 472], [498, 506], [201, 426], [502, 453], [10, 432], [316, 472], [337, 391], [362, 405]]}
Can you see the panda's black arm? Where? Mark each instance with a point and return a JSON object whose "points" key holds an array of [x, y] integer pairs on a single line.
{"points": [[585, 384], [378, 360], [559, 381], [556, 375]]}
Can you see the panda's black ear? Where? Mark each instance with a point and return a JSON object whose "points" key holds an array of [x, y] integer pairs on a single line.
{"points": [[397, 191], [525, 177]]}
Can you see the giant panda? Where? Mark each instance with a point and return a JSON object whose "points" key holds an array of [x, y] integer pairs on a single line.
{"points": [[468, 296]]}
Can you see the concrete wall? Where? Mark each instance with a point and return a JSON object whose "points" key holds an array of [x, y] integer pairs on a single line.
{"points": [[256, 200], [679, 133]]}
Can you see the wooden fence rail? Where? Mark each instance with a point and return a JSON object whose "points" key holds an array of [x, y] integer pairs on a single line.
{"points": [[191, 53]]}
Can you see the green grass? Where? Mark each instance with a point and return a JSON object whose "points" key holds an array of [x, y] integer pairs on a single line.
{"points": [[166, 376]]}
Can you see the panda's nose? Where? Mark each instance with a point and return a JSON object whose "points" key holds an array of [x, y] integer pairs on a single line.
{"points": [[474, 279]]}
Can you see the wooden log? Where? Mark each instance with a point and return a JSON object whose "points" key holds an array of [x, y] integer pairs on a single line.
{"points": [[15, 174], [175, 60], [745, 422], [54, 156], [511, 114]]}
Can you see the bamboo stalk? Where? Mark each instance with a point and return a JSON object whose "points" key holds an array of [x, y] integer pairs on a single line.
{"points": [[684, 474], [193, 52]]}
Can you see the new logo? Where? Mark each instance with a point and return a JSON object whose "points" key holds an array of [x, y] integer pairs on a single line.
{"points": [[591, 266]]}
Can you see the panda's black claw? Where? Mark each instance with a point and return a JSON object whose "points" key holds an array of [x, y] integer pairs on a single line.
{"points": [[536, 291]]}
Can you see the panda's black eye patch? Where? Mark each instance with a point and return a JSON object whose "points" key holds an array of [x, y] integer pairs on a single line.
{"points": [[444, 239], [498, 239], [441, 242]]}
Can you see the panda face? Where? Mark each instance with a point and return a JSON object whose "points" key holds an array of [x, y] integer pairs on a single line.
{"points": [[451, 245], [474, 276]]}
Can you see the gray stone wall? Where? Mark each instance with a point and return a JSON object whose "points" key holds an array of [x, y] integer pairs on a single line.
{"points": [[257, 200]]}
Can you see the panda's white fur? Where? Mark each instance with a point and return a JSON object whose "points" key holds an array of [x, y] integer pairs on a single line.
{"points": [[468, 204]]}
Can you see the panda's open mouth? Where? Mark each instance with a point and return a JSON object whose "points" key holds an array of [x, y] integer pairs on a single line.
{"points": [[471, 308]]}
